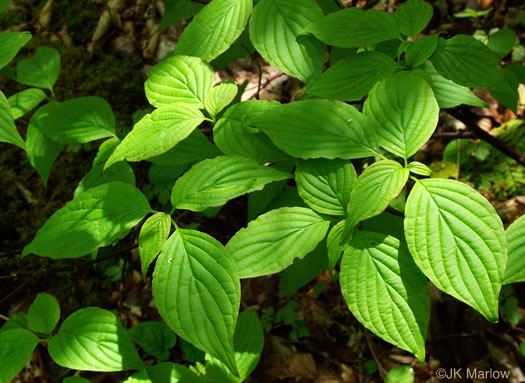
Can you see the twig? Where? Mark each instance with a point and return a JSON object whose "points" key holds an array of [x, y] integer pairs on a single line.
{"points": [[470, 121], [394, 212], [453, 135], [4, 317], [380, 367], [268, 81]]}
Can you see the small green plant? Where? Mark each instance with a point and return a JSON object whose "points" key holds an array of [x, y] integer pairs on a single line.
{"points": [[397, 80]]}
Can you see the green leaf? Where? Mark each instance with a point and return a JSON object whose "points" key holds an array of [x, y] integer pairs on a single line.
{"points": [[25, 101], [152, 237], [385, 290], [400, 374], [468, 13], [43, 314], [120, 171], [420, 169], [457, 240], [325, 185], [158, 132], [274, 28], [214, 28], [448, 93], [469, 62], [195, 147], [17, 347], [334, 244], [10, 44], [40, 149], [155, 338], [352, 77], [41, 70], [94, 219], [303, 271], [420, 50], [248, 342], [8, 131], [375, 188], [405, 111], [220, 97], [19, 320], [271, 242], [385, 223], [234, 132], [79, 120], [515, 271], [172, 373], [502, 41], [354, 28], [179, 79], [328, 129], [413, 16], [93, 339], [179, 10], [197, 291], [215, 181]]}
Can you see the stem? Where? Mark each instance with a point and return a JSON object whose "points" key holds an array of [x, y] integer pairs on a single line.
{"points": [[458, 159], [468, 118], [4, 317]]}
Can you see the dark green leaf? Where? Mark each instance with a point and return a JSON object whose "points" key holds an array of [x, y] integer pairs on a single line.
{"points": [[352, 77]]}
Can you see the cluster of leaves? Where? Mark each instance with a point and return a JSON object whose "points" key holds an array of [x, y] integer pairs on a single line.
{"points": [[450, 233], [94, 339]]}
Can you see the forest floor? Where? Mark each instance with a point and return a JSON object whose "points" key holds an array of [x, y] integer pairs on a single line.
{"points": [[310, 334]]}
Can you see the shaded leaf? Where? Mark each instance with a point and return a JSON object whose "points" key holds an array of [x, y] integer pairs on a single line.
{"points": [[43, 314], [17, 347], [8, 131], [41, 70], [10, 44], [354, 28], [153, 235], [352, 77]]}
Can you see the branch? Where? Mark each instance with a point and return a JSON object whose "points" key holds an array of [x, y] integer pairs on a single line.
{"points": [[469, 119], [453, 135]]}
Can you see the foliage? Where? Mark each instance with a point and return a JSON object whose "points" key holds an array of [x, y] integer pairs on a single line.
{"points": [[451, 234]]}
